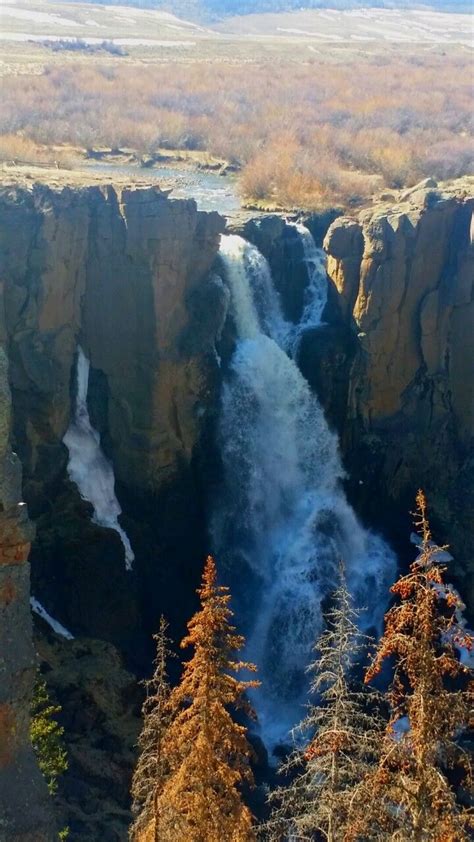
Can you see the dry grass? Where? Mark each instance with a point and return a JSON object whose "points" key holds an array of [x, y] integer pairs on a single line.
{"points": [[302, 134], [17, 149]]}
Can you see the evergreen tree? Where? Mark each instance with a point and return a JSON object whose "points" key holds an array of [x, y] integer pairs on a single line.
{"points": [[344, 729], [46, 736], [409, 796], [152, 769], [205, 748]]}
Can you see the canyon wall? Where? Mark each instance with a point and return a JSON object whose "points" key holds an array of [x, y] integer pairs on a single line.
{"points": [[132, 276], [126, 274], [24, 815], [405, 278]]}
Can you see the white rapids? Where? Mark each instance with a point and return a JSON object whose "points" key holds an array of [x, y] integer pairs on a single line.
{"points": [[316, 293], [282, 515], [89, 468]]}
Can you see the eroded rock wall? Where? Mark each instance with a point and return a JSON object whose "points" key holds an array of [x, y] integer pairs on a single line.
{"points": [[127, 274], [405, 275], [24, 815]]}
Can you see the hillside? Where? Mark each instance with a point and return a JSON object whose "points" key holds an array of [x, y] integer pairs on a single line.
{"points": [[214, 9]]}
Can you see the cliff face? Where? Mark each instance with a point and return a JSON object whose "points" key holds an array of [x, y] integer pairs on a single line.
{"points": [[405, 275], [118, 271], [125, 273], [23, 794], [130, 276]]}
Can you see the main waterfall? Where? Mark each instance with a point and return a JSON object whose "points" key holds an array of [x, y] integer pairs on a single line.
{"points": [[88, 467], [282, 520]]}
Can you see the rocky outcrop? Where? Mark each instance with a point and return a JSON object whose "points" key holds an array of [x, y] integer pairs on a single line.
{"points": [[405, 275], [100, 712], [279, 242], [23, 795]]}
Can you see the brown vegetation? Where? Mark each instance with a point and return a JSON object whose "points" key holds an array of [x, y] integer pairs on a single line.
{"points": [[192, 747], [16, 149], [302, 133], [354, 776], [410, 794]]}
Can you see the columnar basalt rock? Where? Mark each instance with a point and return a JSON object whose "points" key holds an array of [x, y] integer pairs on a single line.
{"points": [[43, 239], [148, 266], [405, 274], [24, 813]]}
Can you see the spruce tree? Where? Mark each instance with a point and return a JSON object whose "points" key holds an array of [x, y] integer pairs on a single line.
{"points": [[206, 750], [344, 730], [152, 769], [46, 736], [410, 796]]}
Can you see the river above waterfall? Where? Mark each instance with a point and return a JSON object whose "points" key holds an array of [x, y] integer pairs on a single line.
{"points": [[212, 192]]}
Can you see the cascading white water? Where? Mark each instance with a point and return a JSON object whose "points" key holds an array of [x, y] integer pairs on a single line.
{"points": [[282, 511], [316, 292], [54, 624], [88, 467]]}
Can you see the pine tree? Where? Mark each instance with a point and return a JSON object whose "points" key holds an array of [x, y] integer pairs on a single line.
{"points": [[152, 769], [205, 748], [46, 736], [409, 796], [344, 729]]}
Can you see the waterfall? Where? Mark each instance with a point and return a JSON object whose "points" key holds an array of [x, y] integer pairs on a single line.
{"points": [[88, 467], [316, 292], [54, 624], [282, 517]]}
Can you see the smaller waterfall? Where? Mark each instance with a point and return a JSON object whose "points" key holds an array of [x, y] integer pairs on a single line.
{"points": [[54, 624], [88, 467], [316, 292]]}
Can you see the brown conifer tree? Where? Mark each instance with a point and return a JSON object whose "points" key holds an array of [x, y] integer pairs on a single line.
{"points": [[205, 748], [344, 730], [152, 767], [410, 795]]}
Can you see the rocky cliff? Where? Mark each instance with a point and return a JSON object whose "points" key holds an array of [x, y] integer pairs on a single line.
{"points": [[405, 277], [24, 815], [131, 276], [126, 274]]}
